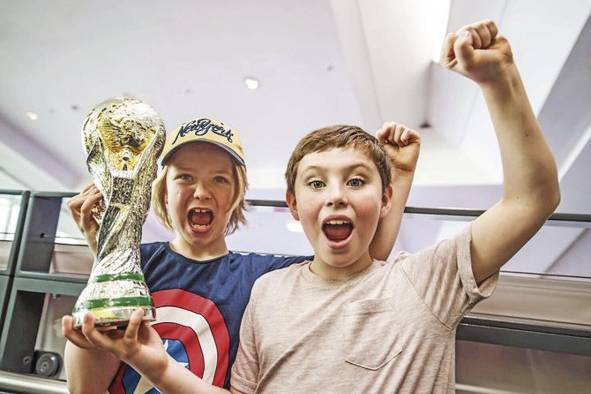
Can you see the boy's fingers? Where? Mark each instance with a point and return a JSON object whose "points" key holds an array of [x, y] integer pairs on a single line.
{"points": [[447, 51], [82, 201], [476, 40], [73, 335], [87, 323], [134, 324], [463, 47], [76, 202], [397, 133], [381, 135], [389, 125], [92, 190], [492, 28], [90, 331], [404, 136], [390, 129], [87, 206], [384, 135], [484, 35], [87, 188], [66, 325], [413, 136]]}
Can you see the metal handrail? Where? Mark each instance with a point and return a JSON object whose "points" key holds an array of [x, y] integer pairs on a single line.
{"points": [[31, 384], [559, 217], [35, 385], [563, 217]]}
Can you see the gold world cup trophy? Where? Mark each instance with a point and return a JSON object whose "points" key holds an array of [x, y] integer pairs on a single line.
{"points": [[122, 138]]}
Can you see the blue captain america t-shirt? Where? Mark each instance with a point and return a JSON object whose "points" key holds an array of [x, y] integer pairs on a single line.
{"points": [[199, 307]]}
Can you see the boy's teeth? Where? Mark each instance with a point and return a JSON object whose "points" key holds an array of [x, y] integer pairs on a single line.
{"points": [[337, 230], [200, 217], [337, 222]]}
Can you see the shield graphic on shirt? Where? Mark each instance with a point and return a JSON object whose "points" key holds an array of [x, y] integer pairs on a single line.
{"points": [[193, 332]]}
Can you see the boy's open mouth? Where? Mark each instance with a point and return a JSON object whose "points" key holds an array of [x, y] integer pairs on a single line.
{"points": [[337, 229], [200, 218]]}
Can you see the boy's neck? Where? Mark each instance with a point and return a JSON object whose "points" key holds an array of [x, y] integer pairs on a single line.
{"points": [[329, 272], [198, 252]]}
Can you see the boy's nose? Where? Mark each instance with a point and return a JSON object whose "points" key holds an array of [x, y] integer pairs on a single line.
{"points": [[336, 196], [201, 192]]}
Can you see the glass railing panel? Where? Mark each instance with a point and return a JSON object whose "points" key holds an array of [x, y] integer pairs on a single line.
{"points": [[557, 250], [487, 368], [548, 280], [270, 230], [10, 209], [49, 335]]}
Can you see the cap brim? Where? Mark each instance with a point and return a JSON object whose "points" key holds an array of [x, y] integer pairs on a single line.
{"points": [[233, 154]]}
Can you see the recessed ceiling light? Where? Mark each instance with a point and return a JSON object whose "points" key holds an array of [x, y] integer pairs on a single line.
{"points": [[251, 83], [295, 227], [32, 115]]}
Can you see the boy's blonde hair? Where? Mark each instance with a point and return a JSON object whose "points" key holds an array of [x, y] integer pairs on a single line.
{"points": [[211, 131], [238, 207], [339, 136]]}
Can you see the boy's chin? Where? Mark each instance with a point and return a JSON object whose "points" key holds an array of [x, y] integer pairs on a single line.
{"points": [[338, 261]]}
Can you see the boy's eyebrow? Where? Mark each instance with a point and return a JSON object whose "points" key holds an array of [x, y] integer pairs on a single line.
{"points": [[348, 168]]}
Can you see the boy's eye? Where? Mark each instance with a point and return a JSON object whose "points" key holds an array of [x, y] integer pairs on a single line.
{"points": [[220, 179], [185, 177], [316, 184], [355, 182]]}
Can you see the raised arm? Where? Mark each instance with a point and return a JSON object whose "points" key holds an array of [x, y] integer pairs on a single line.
{"points": [[403, 145], [530, 186]]}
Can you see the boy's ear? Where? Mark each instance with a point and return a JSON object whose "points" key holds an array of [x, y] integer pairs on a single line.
{"points": [[386, 201], [292, 204]]}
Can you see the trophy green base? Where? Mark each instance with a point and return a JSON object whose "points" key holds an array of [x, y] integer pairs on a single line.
{"points": [[113, 316]]}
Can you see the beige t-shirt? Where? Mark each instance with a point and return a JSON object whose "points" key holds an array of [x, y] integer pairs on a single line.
{"points": [[389, 329]]}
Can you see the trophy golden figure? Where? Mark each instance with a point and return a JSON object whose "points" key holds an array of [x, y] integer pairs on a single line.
{"points": [[122, 138]]}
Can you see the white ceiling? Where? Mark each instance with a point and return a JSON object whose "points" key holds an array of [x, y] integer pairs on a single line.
{"points": [[319, 62]]}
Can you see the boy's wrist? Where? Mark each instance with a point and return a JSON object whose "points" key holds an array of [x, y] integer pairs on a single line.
{"points": [[402, 173], [158, 377], [504, 85]]}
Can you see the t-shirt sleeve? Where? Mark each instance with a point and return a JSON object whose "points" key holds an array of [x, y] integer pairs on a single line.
{"points": [[245, 370], [146, 253], [276, 262], [442, 277]]}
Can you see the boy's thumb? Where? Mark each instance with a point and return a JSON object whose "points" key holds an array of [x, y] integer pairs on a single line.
{"points": [[463, 47]]}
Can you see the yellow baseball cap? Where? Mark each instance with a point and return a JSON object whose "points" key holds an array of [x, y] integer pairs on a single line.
{"points": [[204, 130]]}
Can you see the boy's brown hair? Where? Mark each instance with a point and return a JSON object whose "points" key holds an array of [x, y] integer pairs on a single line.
{"points": [[339, 136], [238, 207]]}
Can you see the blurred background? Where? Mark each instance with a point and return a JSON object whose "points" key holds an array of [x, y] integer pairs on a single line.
{"points": [[275, 70]]}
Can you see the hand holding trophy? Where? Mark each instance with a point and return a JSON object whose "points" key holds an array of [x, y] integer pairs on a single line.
{"points": [[122, 138]]}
